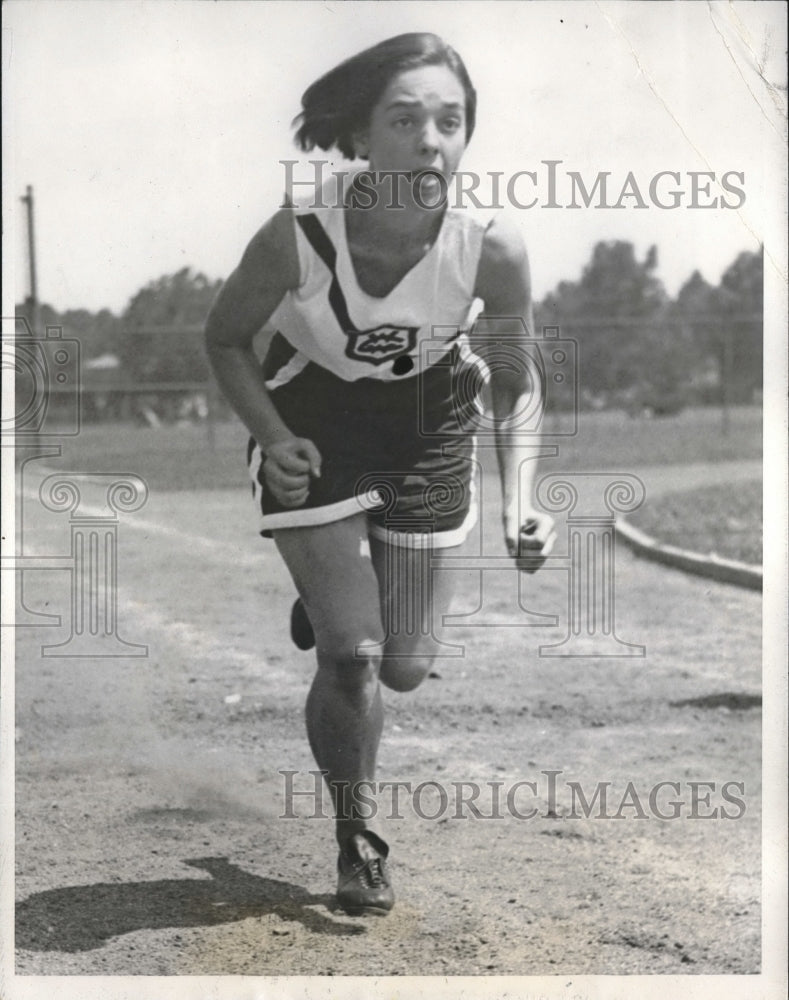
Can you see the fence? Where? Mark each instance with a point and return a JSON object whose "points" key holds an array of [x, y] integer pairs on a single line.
{"points": [[150, 391]]}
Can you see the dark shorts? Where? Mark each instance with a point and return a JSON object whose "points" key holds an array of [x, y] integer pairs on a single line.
{"points": [[401, 450]]}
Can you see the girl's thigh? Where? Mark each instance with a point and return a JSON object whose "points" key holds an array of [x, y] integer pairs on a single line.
{"points": [[333, 572], [415, 595]]}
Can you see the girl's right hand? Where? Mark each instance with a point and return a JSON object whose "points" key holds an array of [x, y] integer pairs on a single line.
{"points": [[288, 467]]}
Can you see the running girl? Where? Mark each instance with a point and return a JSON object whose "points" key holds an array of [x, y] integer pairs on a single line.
{"points": [[356, 428]]}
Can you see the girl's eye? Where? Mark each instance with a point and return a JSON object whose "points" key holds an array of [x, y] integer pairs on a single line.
{"points": [[451, 124]]}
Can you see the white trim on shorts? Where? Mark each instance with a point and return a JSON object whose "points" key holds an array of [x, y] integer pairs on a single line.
{"points": [[306, 517], [428, 539], [436, 539]]}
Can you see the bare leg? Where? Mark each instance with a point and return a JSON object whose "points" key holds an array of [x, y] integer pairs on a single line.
{"points": [[344, 723], [413, 597], [338, 585]]}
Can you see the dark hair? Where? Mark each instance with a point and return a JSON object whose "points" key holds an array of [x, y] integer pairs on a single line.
{"points": [[340, 102]]}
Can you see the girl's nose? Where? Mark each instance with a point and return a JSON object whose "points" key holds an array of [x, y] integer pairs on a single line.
{"points": [[429, 139]]}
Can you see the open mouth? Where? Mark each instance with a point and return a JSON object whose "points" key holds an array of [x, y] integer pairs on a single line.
{"points": [[430, 183], [429, 179]]}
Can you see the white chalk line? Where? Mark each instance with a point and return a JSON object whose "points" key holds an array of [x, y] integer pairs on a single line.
{"points": [[136, 619], [208, 644], [185, 635], [221, 551]]}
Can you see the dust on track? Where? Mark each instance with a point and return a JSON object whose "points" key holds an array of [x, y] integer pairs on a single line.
{"points": [[148, 790]]}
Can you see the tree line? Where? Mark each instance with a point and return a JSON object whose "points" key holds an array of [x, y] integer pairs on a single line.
{"points": [[637, 347]]}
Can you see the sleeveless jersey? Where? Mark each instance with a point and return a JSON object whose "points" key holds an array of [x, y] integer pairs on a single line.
{"points": [[330, 321]]}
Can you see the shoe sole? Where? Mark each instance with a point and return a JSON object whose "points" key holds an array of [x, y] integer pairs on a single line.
{"points": [[365, 911]]}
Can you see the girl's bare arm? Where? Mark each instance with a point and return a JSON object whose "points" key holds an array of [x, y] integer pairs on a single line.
{"points": [[504, 283], [268, 270]]}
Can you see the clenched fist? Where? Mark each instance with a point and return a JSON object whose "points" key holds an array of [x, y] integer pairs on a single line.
{"points": [[288, 467]]}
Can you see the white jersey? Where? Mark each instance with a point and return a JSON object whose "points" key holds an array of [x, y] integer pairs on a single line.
{"points": [[332, 322]]}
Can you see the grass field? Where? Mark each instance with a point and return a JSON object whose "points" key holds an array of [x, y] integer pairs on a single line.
{"points": [[713, 519], [179, 457]]}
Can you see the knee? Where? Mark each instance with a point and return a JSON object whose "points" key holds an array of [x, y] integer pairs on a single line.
{"points": [[404, 673], [352, 668]]}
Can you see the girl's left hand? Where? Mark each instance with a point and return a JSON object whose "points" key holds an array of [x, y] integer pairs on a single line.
{"points": [[530, 538]]}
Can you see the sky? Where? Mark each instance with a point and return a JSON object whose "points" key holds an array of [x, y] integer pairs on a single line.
{"points": [[152, 132]]}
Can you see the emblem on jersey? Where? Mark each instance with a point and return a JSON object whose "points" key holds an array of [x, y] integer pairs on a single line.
{"points": [[380, 344]]}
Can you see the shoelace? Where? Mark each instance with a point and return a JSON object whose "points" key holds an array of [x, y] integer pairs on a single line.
{"points": [[373, 874]]}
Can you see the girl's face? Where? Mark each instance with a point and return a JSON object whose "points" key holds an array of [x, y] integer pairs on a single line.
{"points": [[419, 123]]}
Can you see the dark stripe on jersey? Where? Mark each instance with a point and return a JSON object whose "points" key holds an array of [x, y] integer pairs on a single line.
{"points": [[279, 353], [319, 241]]}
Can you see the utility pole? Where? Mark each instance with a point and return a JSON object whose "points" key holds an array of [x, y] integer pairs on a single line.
{"points": [[33, 439], [27, 200]]}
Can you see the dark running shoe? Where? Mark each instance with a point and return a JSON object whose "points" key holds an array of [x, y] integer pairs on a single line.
{"points": [[363, 887], [300, 627]]}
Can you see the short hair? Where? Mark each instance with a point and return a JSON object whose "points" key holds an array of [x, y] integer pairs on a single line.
{"points": [[340, 103]]}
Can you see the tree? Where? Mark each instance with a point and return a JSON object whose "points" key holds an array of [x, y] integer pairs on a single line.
{"points": [[172, 303], [741, 337], [97, 333], [725, 323], [614, 312]]}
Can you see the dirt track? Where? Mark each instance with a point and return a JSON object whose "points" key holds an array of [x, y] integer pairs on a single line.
{"points": [[148, 794]]}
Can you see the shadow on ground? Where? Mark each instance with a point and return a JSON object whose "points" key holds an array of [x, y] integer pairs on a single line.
{"points": [[733, 700], [79, 918]]}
